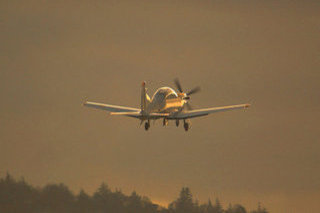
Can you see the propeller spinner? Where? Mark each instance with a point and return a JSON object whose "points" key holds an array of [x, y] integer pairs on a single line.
{"points": [[183, 95]]}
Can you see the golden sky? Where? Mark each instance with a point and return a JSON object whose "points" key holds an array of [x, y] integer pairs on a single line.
{"points": [[55, 54]]}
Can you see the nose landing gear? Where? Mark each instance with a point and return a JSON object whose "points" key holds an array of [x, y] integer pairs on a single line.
{"points": [[177, 122], [186, 125], [147, 125], [165, 122]]}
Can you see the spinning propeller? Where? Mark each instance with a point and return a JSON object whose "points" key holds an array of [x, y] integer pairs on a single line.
{"points": [[185, 95]]}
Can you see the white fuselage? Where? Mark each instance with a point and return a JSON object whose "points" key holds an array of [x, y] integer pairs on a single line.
{"points": [[166, 99]]}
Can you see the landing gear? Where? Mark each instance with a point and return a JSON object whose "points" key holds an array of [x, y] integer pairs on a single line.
{"points": [[186, 125], [177, 122], [147, 125], [165, 122]]}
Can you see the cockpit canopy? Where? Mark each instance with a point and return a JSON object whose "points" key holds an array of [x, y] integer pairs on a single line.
{"points": [[164, 93]]}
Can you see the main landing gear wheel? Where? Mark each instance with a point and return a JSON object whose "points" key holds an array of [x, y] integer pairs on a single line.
{"points": [[146, 126], [177, 122]]}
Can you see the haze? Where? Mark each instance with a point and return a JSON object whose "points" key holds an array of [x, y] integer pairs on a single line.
{"points": [[56, 54]]}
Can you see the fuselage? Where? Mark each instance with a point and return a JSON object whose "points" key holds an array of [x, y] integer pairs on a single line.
{"points": [[165, 99]]}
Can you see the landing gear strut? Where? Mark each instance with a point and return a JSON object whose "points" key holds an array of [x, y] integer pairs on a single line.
{"points": [[177, 122], [147, 125], [165, 122]]}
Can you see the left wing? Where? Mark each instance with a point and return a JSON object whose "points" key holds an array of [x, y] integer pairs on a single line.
{"points": [[207, 111]]}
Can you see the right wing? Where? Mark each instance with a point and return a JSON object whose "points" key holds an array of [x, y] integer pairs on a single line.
{"points": [[110, 108], [125, 111], [207, 111]]}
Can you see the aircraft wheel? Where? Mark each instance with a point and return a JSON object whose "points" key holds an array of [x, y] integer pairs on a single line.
{"points": [[177, 122], [186, 126], [146, 126]]}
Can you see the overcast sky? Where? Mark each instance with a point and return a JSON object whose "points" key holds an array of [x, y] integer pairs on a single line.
{"points": [[56, 54]]}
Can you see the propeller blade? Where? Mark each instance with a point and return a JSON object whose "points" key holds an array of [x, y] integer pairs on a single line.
{"points": [[193, 91], [178, 85]]}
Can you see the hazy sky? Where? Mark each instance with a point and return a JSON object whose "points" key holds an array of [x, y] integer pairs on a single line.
{"points": [[55, 54]]}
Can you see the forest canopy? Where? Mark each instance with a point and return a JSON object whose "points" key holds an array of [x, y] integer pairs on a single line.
{"points": [[19, 196]]}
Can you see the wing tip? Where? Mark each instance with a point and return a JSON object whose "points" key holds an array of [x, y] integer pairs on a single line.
{"points": [[85, 102]]}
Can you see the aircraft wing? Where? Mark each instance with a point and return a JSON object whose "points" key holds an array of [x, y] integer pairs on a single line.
{"points": [[125, 111], [207, 111], [110, 108]]}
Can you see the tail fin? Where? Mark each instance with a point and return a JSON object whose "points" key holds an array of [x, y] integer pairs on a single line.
{"points": [[145, 99]]}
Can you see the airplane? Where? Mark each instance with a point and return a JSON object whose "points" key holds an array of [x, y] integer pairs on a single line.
{"points": [[166, 104]]}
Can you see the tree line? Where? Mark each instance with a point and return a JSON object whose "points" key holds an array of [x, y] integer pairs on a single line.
{"points": [[18, 196]]}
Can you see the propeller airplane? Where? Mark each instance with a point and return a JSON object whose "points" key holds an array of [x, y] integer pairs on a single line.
{"points": [[165, 104]]}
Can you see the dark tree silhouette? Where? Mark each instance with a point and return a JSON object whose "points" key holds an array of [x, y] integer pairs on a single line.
{"points": [[18, 196], [260, 209], [217, 208], [207, 208], [184, 203], [237, 208], [84, 203], [56, 198]]}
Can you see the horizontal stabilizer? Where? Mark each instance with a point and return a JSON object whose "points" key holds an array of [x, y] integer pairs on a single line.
{"points": [[130, 114], [143, 116]]}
